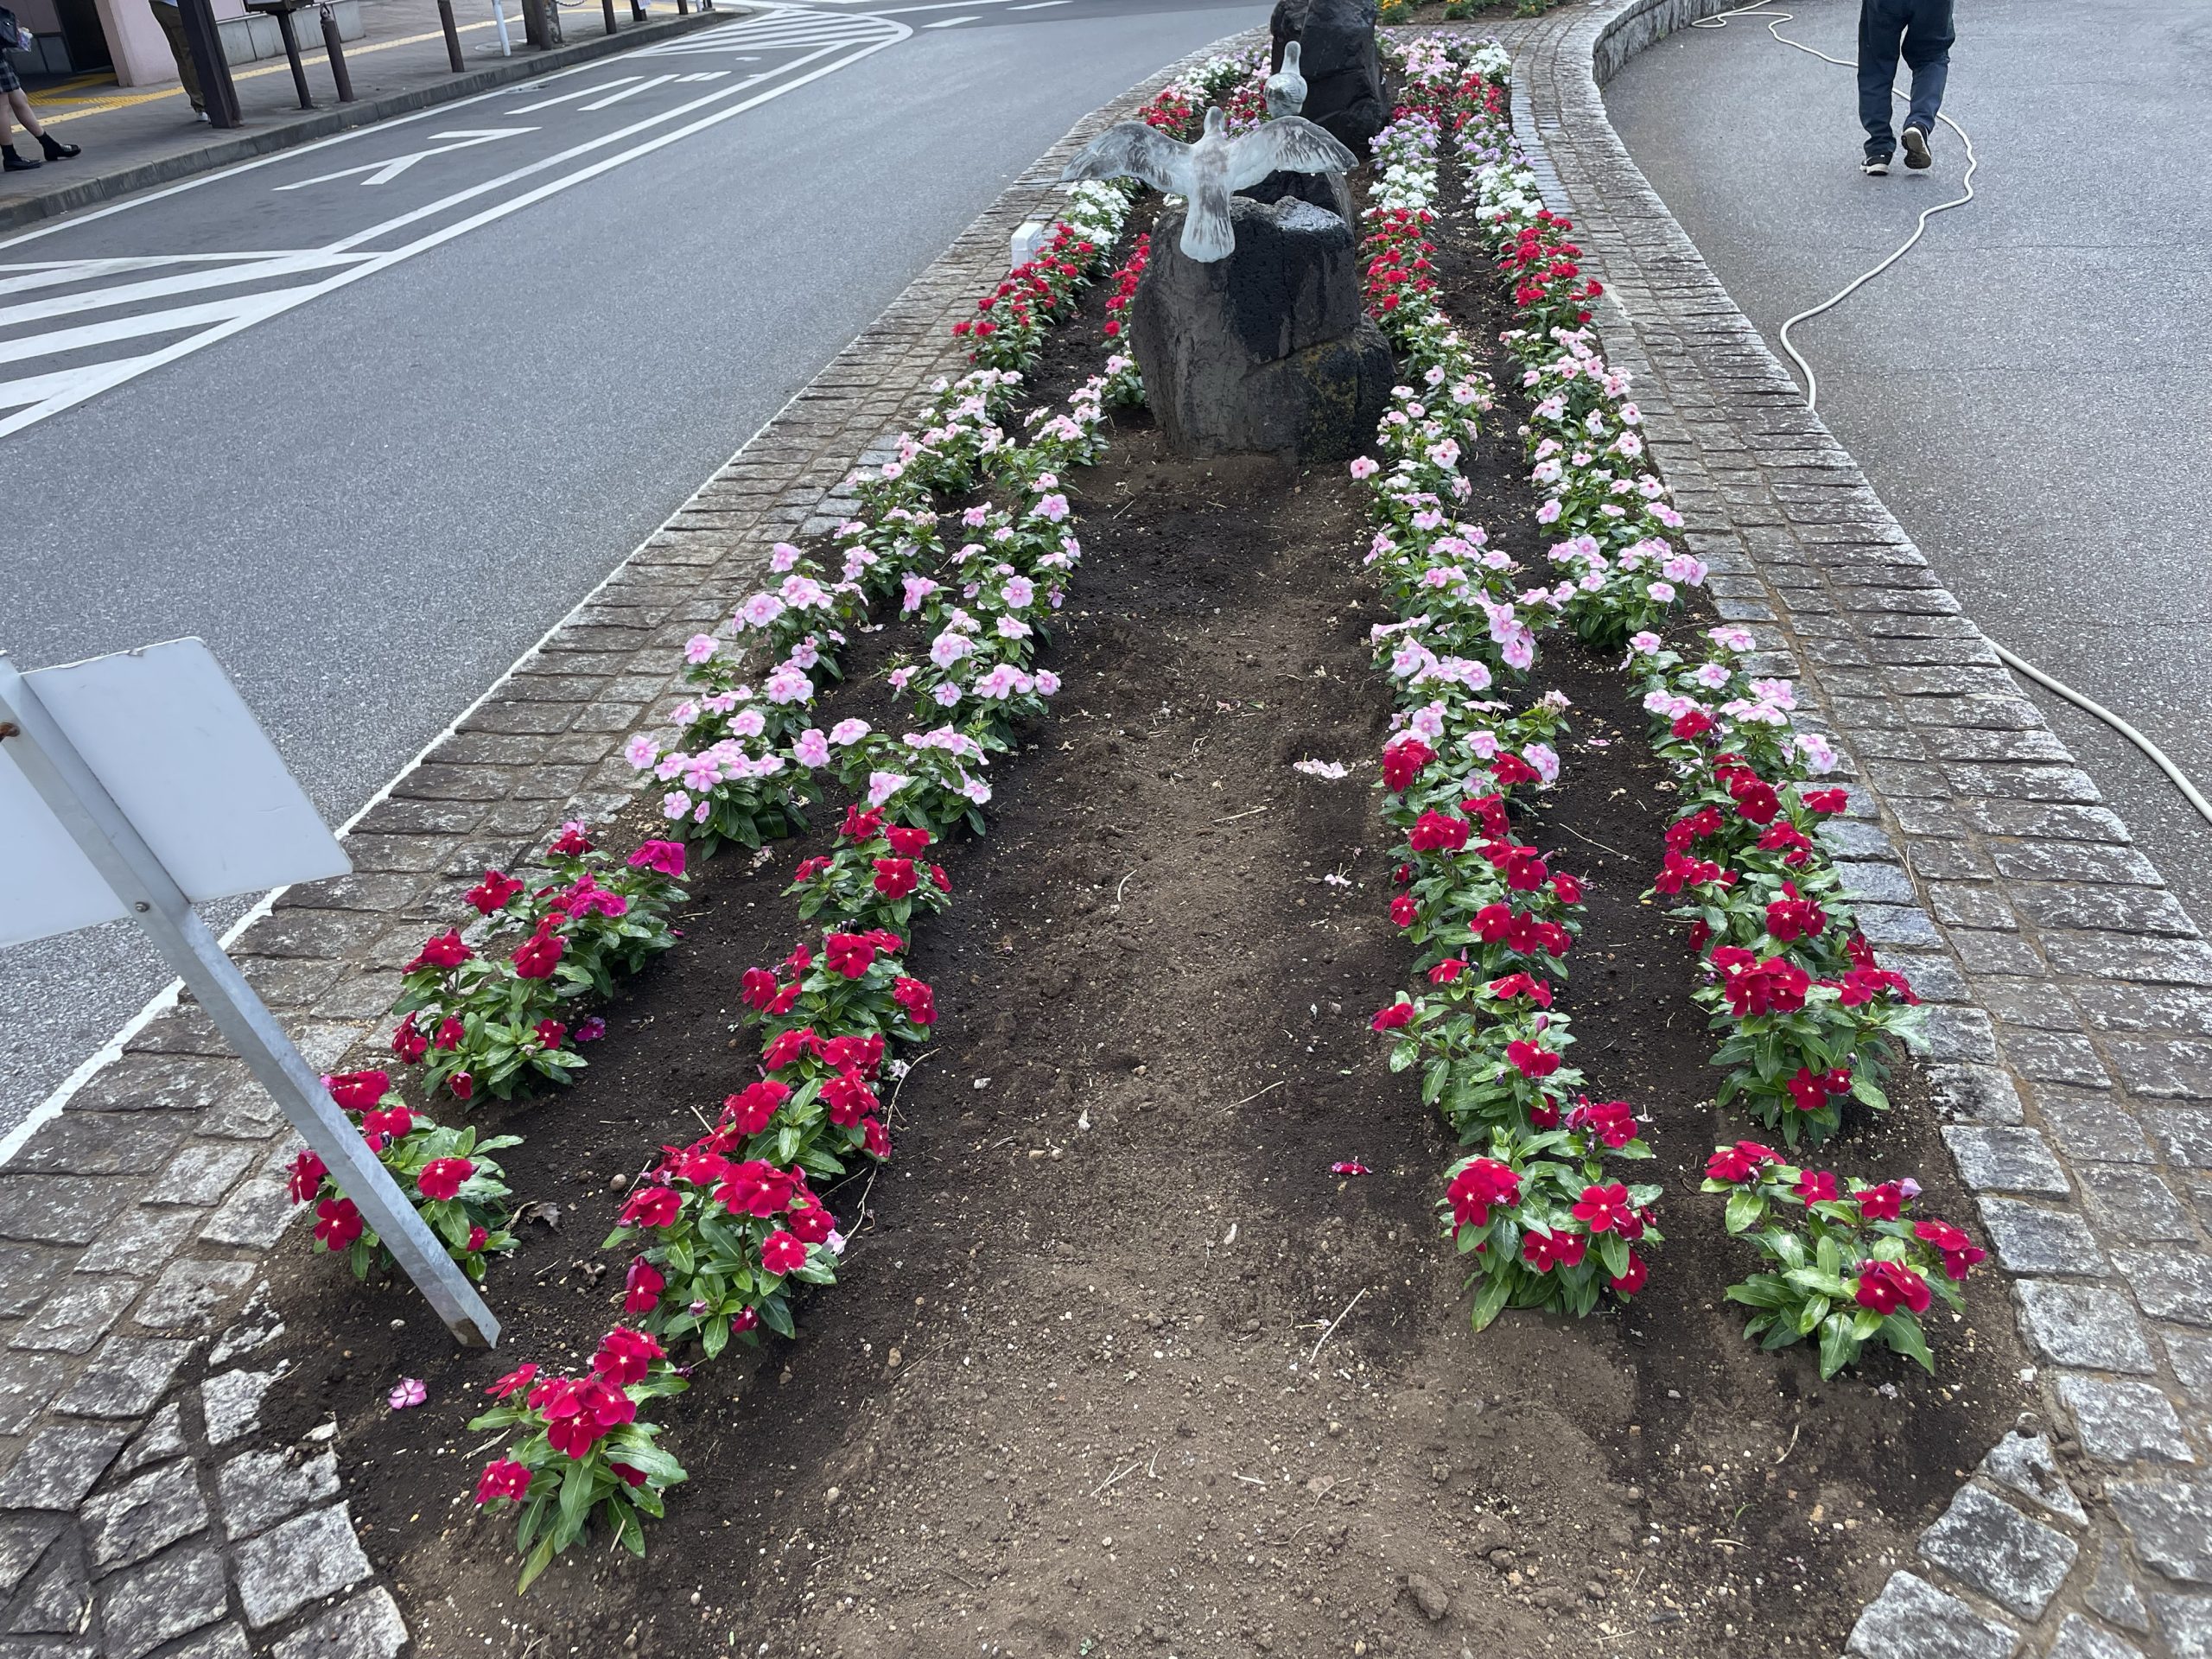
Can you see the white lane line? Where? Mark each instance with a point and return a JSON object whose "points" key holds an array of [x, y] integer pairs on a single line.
{"points": [[951, 22], [1040, 5], [51, 273], [565, 97], [56, 341], [627, 91], [162, 287], [277, 303], [707, 74], [37, 388]]}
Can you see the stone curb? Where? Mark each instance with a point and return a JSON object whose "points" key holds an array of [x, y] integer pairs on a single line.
{"points": [[137, 1227], [2070, 995], [281, 133]]}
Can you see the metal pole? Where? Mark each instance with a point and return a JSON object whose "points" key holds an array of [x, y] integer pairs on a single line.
{"points": [[453, 37], [607, 6], [110, 841], [506, 41], [292, 56], [204, 42], [336, 52]]}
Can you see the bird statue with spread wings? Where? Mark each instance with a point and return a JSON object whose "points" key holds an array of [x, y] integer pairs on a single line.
{"points": [[1207, 173], [1286, 88]]}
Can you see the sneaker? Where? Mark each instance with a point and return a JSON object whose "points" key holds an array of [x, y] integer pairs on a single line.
{"points": [[12, 162], [201, 114], [1876, 167], [1917, 154]]}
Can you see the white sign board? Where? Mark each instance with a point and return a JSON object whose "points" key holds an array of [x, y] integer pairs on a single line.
{"points": [[185, 759]]}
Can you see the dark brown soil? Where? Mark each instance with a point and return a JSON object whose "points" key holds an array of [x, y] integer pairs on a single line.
{"points": [[1079, 1391]]}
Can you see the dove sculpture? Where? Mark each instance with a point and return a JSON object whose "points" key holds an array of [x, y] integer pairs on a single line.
{"points": [[1206, 173], [1286, 88]]}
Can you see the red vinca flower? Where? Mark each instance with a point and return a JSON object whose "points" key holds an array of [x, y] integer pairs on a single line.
{"points": [[780, 1253], [502, 1478], [444, 951], [493, 892], [360, 1091], [442, 1177], [642, 1287], [1544, 1251], [1883, 1286]]}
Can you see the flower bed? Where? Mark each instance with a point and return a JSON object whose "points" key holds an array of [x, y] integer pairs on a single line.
{"points": [[1084, 1332]]}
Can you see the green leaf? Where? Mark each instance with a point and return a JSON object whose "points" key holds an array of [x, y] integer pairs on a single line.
{"points": [[1746, 1206], [1491, 1302], [1903, 1333], [1838, 1347], [535, 1563]]}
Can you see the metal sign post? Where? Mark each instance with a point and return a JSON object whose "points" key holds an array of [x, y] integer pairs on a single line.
{"points": [[187, 708]]}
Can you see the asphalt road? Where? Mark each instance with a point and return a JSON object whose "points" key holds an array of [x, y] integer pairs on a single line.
{"points": [[2023, 390], [371, 498]]}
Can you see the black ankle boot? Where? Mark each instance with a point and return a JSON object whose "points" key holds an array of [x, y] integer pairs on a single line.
{"points": [[11, 162], [55, 149]]}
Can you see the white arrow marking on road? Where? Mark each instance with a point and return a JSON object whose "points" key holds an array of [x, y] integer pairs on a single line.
{"points": [[386, 172]]}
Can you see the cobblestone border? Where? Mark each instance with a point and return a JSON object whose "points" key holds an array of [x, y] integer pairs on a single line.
{"points": [[2072, 995], [141, 1518]]}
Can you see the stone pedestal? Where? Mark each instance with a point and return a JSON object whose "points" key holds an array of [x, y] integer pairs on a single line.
{"points": [[1344, 76], [1267, 351]]}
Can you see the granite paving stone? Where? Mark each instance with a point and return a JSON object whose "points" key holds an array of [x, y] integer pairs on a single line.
{"points": [[149, 1513], [58, 1465], [173, 1595], [1912, 1620], [260, 1488], [2023, 1463], [368, 1627], [1986, 1542], [2123, 1420], [2079, 1639], [2171, 1284], [2169, 1519], [127, 1379], [311, 1556]]}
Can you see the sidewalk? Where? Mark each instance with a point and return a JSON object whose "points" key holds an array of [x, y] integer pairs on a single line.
{"points": [[135, 137]]}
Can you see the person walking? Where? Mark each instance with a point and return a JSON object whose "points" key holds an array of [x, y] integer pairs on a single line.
{"points": [[13, 38], [170, 17], [1920, 31]]}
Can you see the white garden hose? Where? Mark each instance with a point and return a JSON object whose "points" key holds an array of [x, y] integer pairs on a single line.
{"points": [[1774, 19]]}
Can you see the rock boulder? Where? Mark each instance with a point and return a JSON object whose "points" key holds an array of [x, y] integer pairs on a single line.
{"points": [[1267, 351]]}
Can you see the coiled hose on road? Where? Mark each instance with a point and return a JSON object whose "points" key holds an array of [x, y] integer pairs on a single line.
{"points": [[1774, 19]]}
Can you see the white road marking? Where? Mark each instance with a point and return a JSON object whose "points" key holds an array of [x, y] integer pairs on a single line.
{"points": [[1040, 5], [71, 387], [161, 287], [386, 172], [710, 74], [568, 97], [85, 336], [950, 23], [627, 91]]}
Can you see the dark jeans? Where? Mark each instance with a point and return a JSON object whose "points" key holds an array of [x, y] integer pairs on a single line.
{"points": [[1923, 29]]}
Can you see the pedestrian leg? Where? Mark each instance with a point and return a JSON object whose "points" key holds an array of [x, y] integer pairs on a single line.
{"points": [[1880, 26], [1928, 39], [172, 21], [55, 151]]}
